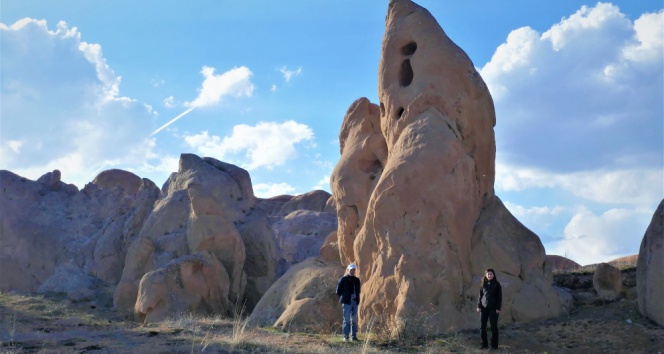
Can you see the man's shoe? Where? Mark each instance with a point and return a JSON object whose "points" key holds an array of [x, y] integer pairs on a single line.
{"points": [[345, 339], [494, 348], [484, 347], [355, 339]]}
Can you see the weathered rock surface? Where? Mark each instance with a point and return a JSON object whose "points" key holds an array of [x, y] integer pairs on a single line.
{"points": [[115, 178], [48, 224], [303, 299], [202, 228], [607, 282], [300, 235], [650, 269], [314, 201], [414, 191]]}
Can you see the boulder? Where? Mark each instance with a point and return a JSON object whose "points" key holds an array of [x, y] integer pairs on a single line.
{"points": [[314, 201], [196, 283], [300, 235], [303, 299], [329, 251], [650, 269], [607, 282], [114, 178], [206, 217]]}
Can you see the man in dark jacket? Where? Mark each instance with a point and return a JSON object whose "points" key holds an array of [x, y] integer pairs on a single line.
{"points": [[489, 303], [348, 289]]}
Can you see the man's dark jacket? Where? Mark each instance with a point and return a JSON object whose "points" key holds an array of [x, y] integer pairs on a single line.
{"points": [[491, 296], [345, 288]]}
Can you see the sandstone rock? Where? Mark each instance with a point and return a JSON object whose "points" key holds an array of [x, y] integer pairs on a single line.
{"points": [[329, 251], [115, 178], [650, 269], [51, 180], [607, 282], [42, 229], [314, 201], [272, 206], [363, 155], [330, 206], [261, 260], [303, 299], [300, 235], [71, 281], [414, 191], [196, 284], [207, 208]]}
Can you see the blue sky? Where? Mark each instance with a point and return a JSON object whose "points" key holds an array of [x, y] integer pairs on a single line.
{"points": [[577, 85]]}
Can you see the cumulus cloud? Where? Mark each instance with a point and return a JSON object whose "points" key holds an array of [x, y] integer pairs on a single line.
{"points": [[268, 190], [635, 187], [234, 83], [289, 74], [592, 238], [586, 94], [266, 144], [60, 100]]}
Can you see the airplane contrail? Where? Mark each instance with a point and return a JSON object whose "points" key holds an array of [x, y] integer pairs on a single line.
{"points": [[173, 120]]}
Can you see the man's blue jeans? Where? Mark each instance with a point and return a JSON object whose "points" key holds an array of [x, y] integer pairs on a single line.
{"points": [[350, 319]]}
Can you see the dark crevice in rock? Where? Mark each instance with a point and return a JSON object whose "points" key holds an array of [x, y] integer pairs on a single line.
{"points": [[399, 113], [409, 49], [405, 74]]}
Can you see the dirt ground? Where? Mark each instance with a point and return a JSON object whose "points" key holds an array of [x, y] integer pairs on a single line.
{"points": [[48, 324]]}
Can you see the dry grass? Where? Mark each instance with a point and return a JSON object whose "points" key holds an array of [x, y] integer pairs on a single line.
{"points": [[28, 324]]}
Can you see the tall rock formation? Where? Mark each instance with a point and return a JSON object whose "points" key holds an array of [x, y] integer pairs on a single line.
{"points": [[191, 253], [650, 269], [414, 191]]}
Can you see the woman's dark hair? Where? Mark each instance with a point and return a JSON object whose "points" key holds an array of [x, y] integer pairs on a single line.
{"points": [[484, 279]]}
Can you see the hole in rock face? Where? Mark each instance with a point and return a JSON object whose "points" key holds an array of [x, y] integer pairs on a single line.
{"points": [[405, 74], [409, 49], [399, 112], [382, 109]]}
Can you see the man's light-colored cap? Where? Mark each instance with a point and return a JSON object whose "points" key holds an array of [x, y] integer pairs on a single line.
{"points": [[352, 266]]}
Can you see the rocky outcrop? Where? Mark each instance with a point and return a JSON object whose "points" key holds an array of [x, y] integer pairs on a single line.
{"points": [[49, 231], [607, 282], [300, 235], [200, 231], [115, 178], [650, 269], [303, 299], [414, 191]]}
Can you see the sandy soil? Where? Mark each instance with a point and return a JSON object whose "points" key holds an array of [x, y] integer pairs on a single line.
{"points": [[39, 324]]}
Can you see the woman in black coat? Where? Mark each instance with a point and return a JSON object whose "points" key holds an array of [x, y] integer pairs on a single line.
{"points": [[488, 303]]}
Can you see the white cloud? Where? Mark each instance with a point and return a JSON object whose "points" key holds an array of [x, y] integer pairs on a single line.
{"points": [[60, 99], [584, 95], [636, 187], [289, 74], [323, 184], [235, 83], [591, 238], [268, 190], [266, 144], [273, 88], [169, 102]]}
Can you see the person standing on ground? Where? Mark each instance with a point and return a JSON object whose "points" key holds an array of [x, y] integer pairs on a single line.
{"points": [[348, 289], [488, 303]]}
